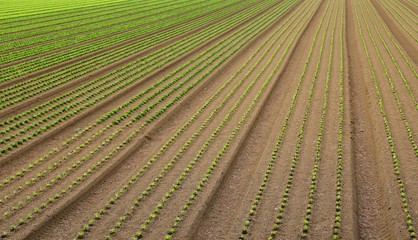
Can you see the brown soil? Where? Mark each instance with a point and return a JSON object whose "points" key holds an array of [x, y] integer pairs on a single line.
{"points": [[264, 86]]}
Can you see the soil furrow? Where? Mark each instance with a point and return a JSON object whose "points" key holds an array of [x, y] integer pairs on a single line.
{"points": [[375, 217], [238, 177]]}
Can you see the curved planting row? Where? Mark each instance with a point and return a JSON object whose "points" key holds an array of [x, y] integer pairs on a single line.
{"points": [[407, 11], [413, 2], [394, 61], [405, 15], [396, 164]]}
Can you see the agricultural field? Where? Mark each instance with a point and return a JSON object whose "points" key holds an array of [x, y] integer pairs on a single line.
{"points": [[209, 119]]}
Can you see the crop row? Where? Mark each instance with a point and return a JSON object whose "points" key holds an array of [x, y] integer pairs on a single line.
{"points": [[37, 85], [16, 10], [406, 11], [393, 89], [11, 120], [202, 182], [153, 184], [50, 167], [46, 43], [58, 37], [207, 54], [408, 88], [282, 206], [119, 194], [402, 22], [116, 75], [182, 176], [413, 2], [126, 141], [127, 114], [63, 17], [189, 73], [49, 60], [318, 158], [339, 196], [400, 72], [96, 166], [13, 94], [279, 141], [105, 37], [394, 155], [19, 92], [190, 140], [398, 48], [108, 16], [185, 44]]}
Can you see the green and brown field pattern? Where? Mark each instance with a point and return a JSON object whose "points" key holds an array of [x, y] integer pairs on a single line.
{"points": [[209, 119]]}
